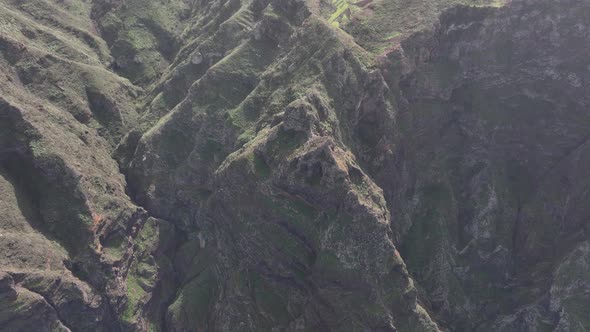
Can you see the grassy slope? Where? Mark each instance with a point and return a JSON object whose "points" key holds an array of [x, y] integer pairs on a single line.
{"points": [[62, 111], [212, 119], [384, 23], [254, 84]]}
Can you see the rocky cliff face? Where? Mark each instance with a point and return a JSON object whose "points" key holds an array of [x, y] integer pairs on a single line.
{"points": [[240, 165]]}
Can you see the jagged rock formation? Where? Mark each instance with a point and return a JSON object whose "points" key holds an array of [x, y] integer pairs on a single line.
{"points": [[178, 165]]}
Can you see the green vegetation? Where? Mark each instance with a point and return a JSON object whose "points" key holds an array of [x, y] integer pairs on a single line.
{"points": [[301, 218], [285, 143], [261, 168], [212, 150], [327, 266], [382, 24], [430, 223], [116, 246], [257, 240], [147, 236], [195, 300], [341, 7], [142, 36], [272, 304], [134, 294]]}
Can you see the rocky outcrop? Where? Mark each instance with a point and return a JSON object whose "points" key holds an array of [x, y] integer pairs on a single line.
{"points": [[497, 105], [67, 224]]}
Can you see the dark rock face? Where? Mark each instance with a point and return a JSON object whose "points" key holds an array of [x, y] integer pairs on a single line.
{"points": [[278, 173], [502, 124]]}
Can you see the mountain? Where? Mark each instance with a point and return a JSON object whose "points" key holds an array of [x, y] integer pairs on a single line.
{"points": [[286, 165]]}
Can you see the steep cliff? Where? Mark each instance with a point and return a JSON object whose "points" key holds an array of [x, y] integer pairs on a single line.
{"points": [[176, 165]]}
